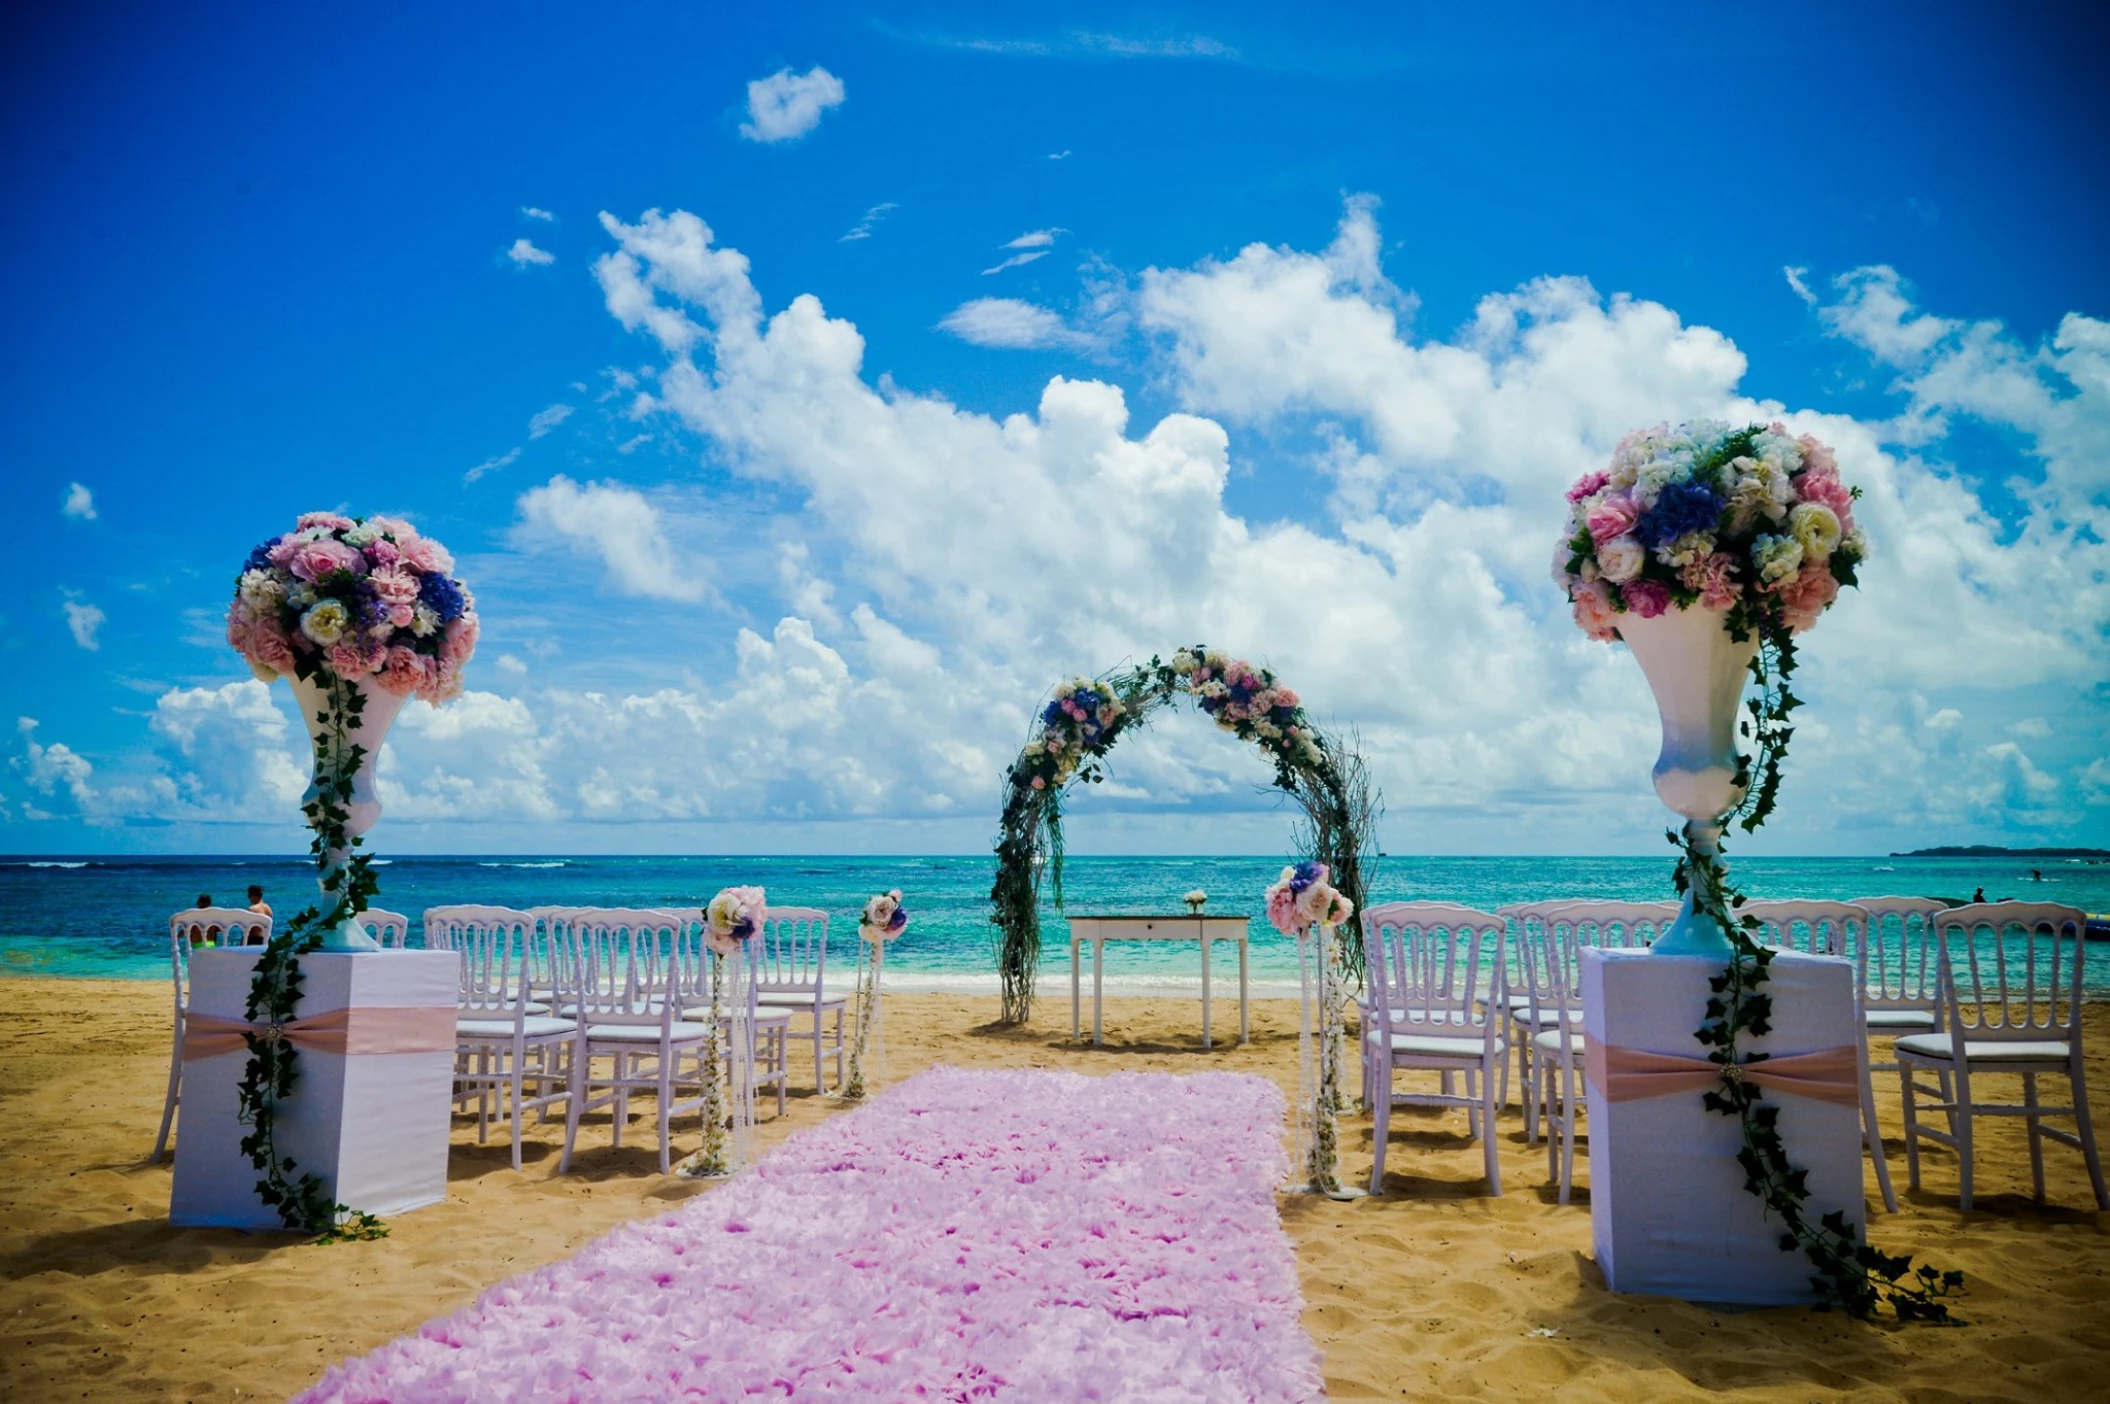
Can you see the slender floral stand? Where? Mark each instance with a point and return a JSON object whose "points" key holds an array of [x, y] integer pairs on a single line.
{"points": [[728, 1122], [1321, 1064], [868, 1048]]}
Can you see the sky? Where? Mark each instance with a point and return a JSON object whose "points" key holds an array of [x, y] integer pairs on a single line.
{"points": [[805, 394]]}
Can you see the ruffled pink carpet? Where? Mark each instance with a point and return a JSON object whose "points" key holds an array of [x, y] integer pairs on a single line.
{"points": [[1023, 1235]]}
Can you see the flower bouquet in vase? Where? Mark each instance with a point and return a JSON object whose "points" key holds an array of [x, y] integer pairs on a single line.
{"points": [[360, 615], [1303, 904], [883, 920], [732, 922], [1707, 549]]}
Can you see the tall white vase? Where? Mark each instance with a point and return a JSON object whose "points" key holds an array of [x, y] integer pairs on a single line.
{"points": [[369, 732], [1697, 673]]}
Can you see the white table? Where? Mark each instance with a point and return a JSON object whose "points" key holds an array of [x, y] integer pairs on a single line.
{"points": [[1098, 930]]}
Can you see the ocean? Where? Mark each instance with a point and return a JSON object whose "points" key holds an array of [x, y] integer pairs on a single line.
{"points": [[107, 917]]}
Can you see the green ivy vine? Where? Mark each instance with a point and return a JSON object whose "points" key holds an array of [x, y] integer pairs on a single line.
{"points": [[348, 883], [1850, 1272]]}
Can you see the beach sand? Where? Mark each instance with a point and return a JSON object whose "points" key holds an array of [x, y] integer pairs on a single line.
{"points": [[1433, 1292]]}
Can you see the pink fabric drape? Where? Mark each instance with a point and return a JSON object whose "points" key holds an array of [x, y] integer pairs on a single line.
{"points": [[1628, 1074], [421, 1029]]}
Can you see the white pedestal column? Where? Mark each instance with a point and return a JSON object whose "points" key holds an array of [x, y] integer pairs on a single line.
{"points": [[1668, 1208], [374, 1126]]}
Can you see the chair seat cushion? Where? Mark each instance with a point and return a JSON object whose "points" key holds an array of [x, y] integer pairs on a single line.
{"points": [[1900, 1019], [1435, 1045], [764, 1018], [1931, 1045], [784, 999], [1550, 1042], [683, 1032], [534, 1026]]}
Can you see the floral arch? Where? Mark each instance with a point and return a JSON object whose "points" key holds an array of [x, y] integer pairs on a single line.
{"points": [[1079, 726]]}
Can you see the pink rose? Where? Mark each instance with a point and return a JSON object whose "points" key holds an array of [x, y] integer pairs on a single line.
{"points": [[460, 641], [1284, 697], [1714, 578], [429, 557], [402, 672], [328, 521], [395, 585], [1823, 486], [1647, 598], [1808, 596], [1587, 484], [269, 646], [283, 550], [383, 552], [316, 559], [399, 616], [1594, 614], [1614, 516]]}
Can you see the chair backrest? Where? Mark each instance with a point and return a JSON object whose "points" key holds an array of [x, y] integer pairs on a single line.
{"points": [[224, 926], [792, 952], [445, 926], [2012, 970], [1428, 966], [493, 945], [1615, 924], [1899, 971], [619, 965], [390, 929], [1814, 928], [1548, 973]]}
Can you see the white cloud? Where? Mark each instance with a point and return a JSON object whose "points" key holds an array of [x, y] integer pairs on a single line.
{"points": [[1016, 260], [84, 620], [1875, 313], [619, 525], [79, 503], [1062, 155], [1036, 239], [524, 253], [548, 419], [1795, 276], [1010, 324], [234, 755], [864, 227], [50, 769], [534, 212], [492, 465], [786, 105], [511, 666]]}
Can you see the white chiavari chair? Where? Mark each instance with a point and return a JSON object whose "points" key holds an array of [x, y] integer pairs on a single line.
{"points": [[189, 930], [791, 964], [390, 930], [2009, 1002], [508, 1048]]}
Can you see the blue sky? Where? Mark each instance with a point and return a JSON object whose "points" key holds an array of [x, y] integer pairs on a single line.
{"points": [[1306, 319]]}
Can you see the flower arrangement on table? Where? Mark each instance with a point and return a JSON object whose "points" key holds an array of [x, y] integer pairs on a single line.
{"points": [[1196, 900], [362, 598], [1301, 900], [340, 605], [730, 920], [884, 919]]}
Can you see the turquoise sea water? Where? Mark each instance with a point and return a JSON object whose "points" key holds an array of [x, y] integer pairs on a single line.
{"points": [[108, 917]]}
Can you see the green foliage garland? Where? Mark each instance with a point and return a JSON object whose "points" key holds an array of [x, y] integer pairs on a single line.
{"points": [[1850, 1272], [348, 883], [1325, 776]]}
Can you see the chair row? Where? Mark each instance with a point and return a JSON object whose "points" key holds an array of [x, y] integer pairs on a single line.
{"points": [[1990, 988]]}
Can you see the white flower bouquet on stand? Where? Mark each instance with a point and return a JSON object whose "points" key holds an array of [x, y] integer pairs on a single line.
{"points": [[731, 923], [883, 920], [1303, 904]]}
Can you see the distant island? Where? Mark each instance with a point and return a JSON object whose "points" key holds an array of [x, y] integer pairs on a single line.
{"points": [[1980, 850]]}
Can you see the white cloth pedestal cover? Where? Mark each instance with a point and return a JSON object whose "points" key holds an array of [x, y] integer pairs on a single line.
{"points": [[1668, 1209], [374, 1126]]}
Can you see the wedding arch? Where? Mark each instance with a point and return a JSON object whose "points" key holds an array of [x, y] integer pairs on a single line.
{"points": [[1076, 729]]}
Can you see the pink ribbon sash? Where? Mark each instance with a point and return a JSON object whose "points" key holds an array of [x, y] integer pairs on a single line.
{"points": [[1628, 1074], [382, 1029]]}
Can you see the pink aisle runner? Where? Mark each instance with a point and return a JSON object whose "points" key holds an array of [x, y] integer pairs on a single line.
{"points": [[1025, 1235]]}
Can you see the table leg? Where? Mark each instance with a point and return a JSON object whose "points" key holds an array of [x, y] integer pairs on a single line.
{"points": [[1075, 1018], [1244, 1027], [1205, 988], [1098, 992]]}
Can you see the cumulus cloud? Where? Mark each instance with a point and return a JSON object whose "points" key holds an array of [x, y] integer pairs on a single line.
{"points": [[787, 105], [83, 619], [617, 524], [79, 503], [1008, 323], [234, 755], [524, 253], [546, 420], [52, 770]]}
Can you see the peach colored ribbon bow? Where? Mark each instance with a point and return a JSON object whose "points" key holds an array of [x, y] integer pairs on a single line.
{"points": [[420, 1029], [1628, 1074]]}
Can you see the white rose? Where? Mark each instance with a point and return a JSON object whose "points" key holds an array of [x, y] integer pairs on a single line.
{"points": [[361, 536], [1816, 527], [1619, 560], [261, 591], [326, 622]]}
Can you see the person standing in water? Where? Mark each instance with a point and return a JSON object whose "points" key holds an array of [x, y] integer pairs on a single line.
{"points": [[258, 905], [1978, 895]]}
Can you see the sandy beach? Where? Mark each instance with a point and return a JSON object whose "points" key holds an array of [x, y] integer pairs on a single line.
{"points": [[1434, 1291]]}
